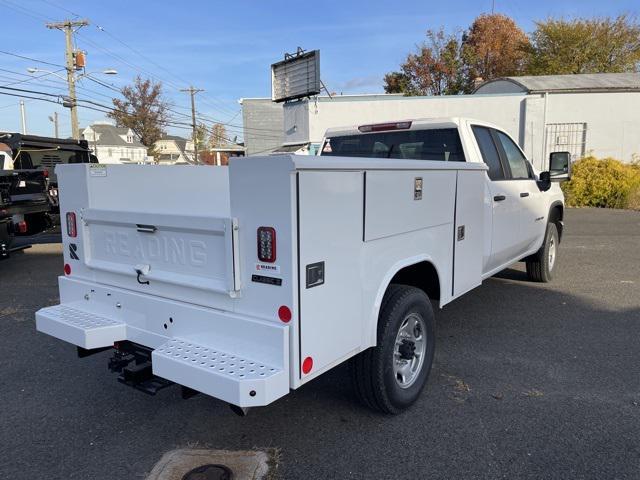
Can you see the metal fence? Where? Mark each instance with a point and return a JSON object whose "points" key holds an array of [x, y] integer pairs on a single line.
{"points": [[566, 137]]}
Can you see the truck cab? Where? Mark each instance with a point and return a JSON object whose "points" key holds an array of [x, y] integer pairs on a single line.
{"points": [[518, 204]]}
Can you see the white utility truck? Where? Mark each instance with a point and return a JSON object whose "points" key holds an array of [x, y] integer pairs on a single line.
{"points": [[248, 281]]}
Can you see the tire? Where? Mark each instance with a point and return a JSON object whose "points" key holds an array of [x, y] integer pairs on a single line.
{"points": [[540, 266], [390, 376]]}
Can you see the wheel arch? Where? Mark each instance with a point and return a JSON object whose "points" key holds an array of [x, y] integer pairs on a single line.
{"points": [[420, 272], [556, 215]]}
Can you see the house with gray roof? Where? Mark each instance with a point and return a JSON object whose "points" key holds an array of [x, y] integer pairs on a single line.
{"points": [[113, 144]]}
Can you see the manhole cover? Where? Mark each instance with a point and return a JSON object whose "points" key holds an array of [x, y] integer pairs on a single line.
{"points": [[209, 472]]}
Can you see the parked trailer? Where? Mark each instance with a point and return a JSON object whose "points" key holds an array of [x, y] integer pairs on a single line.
{"points": [[247, 282]]}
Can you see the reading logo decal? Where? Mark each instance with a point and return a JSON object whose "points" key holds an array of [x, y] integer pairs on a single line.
{"points": [[73, 249]]}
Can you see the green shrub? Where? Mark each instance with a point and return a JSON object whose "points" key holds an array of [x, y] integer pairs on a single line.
{"points": [[606, 183]]}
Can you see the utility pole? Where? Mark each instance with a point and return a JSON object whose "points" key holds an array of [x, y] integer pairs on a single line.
{"points": [[54, 119], [192, 91], [69, 27], [23, 117]]}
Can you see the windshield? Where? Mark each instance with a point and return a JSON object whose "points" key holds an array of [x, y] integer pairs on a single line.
{"points": [[436, 144]]}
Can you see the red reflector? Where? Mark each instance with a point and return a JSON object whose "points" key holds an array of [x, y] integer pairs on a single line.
{"points": [[22, 227], [307, 365], [45, 173], [71, 224], [67, 269], [381, 127], [284, 314], [267, 244]]}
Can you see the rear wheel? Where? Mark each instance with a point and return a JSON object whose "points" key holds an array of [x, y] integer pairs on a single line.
{"points": [[390, 376], [540, 266]]}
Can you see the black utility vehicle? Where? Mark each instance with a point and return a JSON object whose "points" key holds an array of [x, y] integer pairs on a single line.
{"points": [[31, 152]]}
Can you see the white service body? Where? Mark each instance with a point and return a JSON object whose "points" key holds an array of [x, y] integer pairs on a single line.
{"points": [[191, 233]]}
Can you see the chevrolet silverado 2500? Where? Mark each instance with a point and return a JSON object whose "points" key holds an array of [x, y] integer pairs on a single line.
{"points": [[248, 281]]}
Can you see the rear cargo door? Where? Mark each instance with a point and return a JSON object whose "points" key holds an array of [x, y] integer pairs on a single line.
{"points": [[153, 252]]}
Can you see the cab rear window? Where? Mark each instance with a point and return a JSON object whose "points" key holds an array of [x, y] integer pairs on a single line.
{"points": [[436, 144]]}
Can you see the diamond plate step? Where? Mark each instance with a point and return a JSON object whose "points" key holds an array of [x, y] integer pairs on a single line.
{"points": [[84, 329], [241, 381]]}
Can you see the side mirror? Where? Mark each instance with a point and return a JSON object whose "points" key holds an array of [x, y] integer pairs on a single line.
{"points": [[560, 166]]}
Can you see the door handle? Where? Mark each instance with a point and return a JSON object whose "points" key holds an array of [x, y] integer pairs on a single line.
{"points": [[524, 194], [499, 198]]}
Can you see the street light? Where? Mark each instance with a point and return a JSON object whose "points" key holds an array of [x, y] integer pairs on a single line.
{"points": [[108, 71], [70, 101]]}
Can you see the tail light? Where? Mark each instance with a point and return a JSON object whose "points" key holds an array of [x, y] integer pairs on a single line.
{"points": [[72, 231], [267, 244], [22, 227], [45, 172], [381, 127], [67, 269]]}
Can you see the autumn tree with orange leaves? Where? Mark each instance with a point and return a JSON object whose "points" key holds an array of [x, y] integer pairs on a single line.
{"points": [[493, 47], [434, 69]]}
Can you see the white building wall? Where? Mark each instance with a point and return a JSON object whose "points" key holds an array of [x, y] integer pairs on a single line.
{"points": [[613, 119]]}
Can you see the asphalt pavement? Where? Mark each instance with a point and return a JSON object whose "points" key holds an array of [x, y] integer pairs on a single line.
{"points": [[529, 381]]}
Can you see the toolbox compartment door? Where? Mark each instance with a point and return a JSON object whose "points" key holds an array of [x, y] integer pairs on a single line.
{"points": [[151, 252], [330, 229], [468, 235]]}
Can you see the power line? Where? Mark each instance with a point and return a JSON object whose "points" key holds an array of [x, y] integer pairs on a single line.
{"points": [[33, 14], [160, 67], [32, 59], [27, 79], [60, 7], [24, 11]]}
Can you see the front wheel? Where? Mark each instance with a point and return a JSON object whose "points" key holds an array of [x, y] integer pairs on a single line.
{"points": [[390, 376], [541, 264]]}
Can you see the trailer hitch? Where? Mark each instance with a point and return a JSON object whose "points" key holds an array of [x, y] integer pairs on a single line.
{"points": [[133, 363]]}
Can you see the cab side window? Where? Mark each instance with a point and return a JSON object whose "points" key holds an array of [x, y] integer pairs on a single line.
{"points": [[489, 152], [517, 161]]}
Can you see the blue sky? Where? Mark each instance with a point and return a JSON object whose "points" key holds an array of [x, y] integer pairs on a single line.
{"points": [[226, 47]]}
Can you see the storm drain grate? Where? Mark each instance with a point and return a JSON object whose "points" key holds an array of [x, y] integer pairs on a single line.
{"points": [[209, 472]]}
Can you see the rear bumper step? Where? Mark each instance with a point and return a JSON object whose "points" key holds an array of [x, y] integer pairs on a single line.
{"points": [[234, 379], [84, 329], [208, 367]]}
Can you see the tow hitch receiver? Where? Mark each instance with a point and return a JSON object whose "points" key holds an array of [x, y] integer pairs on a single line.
{"points": [[133, 363]]}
